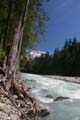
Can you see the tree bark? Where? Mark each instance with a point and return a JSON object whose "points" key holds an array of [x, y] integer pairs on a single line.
{"points": [[13, 60], [7, 24]]}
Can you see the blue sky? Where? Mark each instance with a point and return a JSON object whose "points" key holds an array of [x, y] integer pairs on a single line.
{"points": [[64, 23]]}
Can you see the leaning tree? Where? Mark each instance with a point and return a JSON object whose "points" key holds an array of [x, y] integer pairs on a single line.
{"points": [[20, 24]]}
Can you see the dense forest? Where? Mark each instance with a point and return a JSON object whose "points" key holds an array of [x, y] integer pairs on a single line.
{"points": [[65, 61]]}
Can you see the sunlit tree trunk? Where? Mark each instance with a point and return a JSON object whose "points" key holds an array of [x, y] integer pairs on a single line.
{"points": [[13, 60]]}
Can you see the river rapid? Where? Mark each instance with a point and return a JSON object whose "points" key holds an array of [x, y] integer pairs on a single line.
{"points": [[51, 87]]}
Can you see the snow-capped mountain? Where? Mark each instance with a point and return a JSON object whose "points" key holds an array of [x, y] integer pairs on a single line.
{"points": [[35, 53]]}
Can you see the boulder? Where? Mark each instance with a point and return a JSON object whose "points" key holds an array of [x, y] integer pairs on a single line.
{"points": [[49, 96], [44, 112], [60, 98]]}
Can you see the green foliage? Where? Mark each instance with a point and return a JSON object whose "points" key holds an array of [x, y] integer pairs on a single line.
{"points": [[23, 58], [35, 22], [64, 62]]}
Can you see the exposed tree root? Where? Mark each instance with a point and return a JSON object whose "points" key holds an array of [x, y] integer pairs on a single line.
{"points": [[21, 99]]}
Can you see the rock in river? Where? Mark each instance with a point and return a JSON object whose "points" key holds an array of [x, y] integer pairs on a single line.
{"points": [[60, 98]]}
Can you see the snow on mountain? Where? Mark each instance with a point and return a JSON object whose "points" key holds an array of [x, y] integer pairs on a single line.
{"points": [[35, 53]]}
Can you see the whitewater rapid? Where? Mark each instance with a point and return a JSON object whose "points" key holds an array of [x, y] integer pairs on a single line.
{"points": [[42, 86]]}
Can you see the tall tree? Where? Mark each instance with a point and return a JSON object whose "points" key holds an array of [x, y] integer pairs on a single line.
{"points": [[15, 26], [13, 59]]}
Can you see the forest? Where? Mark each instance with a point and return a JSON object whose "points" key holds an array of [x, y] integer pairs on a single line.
{"points": [[21, 24], [64, 61]]}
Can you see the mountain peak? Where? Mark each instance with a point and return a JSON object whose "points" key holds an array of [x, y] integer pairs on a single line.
{"points": [[35, 53]]}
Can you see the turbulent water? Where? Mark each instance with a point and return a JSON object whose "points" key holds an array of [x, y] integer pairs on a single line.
{"points": [[42, 86]]}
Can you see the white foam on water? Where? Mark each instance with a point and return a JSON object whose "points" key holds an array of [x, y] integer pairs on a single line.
{"points": [[35, 90], [55, 87], [68, 109], [45, 100]]}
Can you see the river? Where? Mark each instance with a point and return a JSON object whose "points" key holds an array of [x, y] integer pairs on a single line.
{"points": [[42, 86]]}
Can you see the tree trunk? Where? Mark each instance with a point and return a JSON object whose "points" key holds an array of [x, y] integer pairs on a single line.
{"points": [[13, 60], [7, 24]]}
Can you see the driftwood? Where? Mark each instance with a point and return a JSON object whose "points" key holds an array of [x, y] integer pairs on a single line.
{"points": [[22, 100]]}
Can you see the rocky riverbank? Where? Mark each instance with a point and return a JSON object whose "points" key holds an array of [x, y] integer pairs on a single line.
{"points": [[7, 109], [20, 105]]}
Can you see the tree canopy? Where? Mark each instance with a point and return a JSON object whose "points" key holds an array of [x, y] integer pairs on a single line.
{"points": [[10, 11]]}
